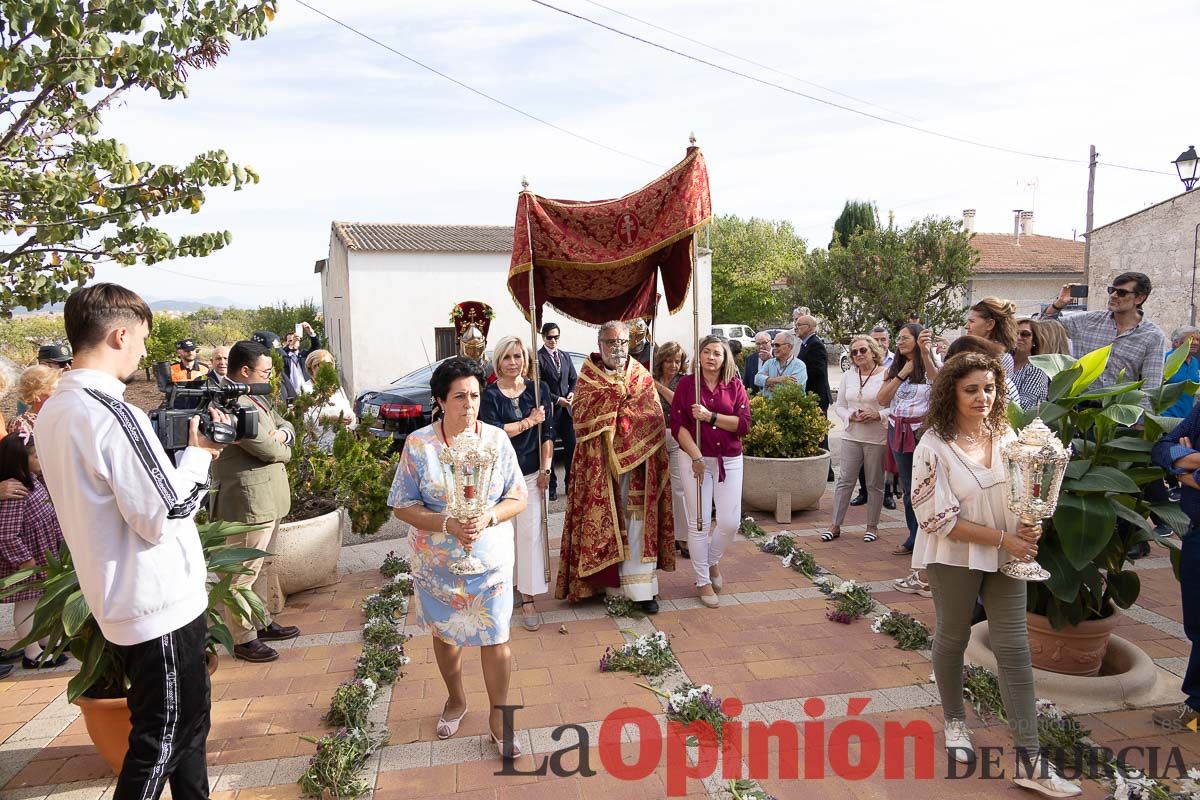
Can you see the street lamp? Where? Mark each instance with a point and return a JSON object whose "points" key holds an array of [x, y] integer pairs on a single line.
{"points": [[1186, 165]]}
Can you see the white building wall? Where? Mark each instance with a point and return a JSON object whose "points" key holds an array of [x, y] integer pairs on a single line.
{"points": [[1028, 291], [335, 305], [398, 299], [1160, 242]]}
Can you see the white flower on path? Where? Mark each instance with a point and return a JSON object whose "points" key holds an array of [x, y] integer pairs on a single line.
{"points": [[1194, 774]]}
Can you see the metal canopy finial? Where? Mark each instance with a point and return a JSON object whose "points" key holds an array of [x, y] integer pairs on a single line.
{"points": [[692, 138], [524, 184]]}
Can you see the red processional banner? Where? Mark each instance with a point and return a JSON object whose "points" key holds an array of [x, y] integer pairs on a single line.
{"points": [[597, 261]]}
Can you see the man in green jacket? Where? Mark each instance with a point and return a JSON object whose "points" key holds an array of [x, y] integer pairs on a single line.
{"points": [[252, 487]]}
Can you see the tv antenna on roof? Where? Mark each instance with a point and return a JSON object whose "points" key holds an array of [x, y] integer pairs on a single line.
{"points": [[1030, 185]]}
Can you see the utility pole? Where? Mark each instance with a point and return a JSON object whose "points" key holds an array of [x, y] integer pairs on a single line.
{"points": [[1087, 240]]}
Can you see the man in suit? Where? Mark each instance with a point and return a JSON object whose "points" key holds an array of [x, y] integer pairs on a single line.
{"points": [[558, 377], [755, 360], [816, 359], [252, 487]]}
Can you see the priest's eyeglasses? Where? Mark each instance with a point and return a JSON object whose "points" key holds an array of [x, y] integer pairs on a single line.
{"points": [[615, 344]]}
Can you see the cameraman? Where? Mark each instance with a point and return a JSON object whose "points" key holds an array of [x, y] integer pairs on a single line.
{"points": [[252, 487], [126, 514]]}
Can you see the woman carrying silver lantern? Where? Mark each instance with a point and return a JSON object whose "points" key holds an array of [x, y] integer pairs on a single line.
{"points": [[459, 486], [966, 534]]}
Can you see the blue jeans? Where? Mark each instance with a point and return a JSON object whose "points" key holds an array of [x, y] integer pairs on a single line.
{"points": [[1189, 586], [904, 462]]}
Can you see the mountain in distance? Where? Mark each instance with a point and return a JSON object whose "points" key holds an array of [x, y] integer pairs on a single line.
{"points": [[181, 306]]}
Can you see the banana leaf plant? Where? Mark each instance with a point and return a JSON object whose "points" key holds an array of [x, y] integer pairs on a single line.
{"points": [[64, 621], [1102, 511]]}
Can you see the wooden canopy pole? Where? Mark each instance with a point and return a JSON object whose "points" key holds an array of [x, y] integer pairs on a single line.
{"points": [[537, 385], [697, 374]]}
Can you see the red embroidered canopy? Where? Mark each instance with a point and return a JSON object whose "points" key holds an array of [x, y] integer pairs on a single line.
{"points": [[596, 261]]}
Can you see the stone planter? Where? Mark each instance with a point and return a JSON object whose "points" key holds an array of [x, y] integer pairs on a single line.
{"points": [[305, 556], [784, 485], [1074, 650], [1128, 678]]}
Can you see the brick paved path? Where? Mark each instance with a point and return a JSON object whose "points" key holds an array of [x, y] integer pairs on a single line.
{"points": [[769, 645]]}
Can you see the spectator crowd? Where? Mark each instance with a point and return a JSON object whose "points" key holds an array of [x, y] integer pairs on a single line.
{"points": [[655, 433]]}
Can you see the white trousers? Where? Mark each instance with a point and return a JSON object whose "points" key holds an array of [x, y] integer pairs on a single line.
{"points": [[678, 477], [639, 579], [707, 546], [530, 565], [23, 622]]}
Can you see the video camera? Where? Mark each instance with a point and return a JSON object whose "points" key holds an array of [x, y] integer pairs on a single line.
{"points": [[172, 419]]}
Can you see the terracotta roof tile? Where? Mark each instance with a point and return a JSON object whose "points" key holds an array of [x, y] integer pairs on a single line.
{"points": [[1001, 252], [388, 237]]}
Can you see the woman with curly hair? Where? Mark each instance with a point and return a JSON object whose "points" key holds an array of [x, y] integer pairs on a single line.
{"points": [[967, 532]]}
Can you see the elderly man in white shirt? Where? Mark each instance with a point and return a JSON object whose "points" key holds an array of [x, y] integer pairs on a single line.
{"points": [[784, 367]]}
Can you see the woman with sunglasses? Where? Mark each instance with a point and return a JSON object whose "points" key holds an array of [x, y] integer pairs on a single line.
{"points": [[865, 437], [1033, 385]]}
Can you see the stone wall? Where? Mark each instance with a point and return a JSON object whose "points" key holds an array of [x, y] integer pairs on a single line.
{"points": [[1159, 241]]}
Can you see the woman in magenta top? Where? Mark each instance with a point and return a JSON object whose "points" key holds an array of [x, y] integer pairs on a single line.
{"points": [[716, 462]]}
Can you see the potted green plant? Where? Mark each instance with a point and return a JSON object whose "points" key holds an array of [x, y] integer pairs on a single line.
{"points": [[335, 473], [784, 466], [1102, 510], [64, 621]]}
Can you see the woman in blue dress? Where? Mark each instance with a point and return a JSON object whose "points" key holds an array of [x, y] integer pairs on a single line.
{"points": [[462, 610]]}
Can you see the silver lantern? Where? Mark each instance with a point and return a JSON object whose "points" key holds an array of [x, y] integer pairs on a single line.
{"points": [[469, 464], [1035, 465]]}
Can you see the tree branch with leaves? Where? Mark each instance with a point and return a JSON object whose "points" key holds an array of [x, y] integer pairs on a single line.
{"points": [[72, 198], [883, 276]]}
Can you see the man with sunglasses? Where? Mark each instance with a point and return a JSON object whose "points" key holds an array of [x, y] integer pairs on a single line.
{"points": [[1138, 345], [558, 377]]}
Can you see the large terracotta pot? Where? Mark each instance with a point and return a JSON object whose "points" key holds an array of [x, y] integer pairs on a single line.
{"points": [[784, 485], [1074, 650], [107, 722], [305, 557]]}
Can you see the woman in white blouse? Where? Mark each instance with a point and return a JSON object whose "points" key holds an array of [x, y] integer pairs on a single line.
{"points": [[337, 408], [966, 532], [865, 437]]}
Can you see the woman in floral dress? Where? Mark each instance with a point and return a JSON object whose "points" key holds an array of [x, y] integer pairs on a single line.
{"points": [[462, 610]]}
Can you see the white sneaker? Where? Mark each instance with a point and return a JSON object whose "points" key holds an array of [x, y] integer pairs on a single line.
{"points": [[958, 741], [1052, 785], [913, 585]]}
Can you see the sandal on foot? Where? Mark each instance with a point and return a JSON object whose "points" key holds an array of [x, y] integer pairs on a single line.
{"points": [[829, 536], [533, 621], [448, 727], [870, 536], [509, 751]]}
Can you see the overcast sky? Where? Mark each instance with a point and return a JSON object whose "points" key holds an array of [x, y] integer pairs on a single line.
{"points": [[342, 129]]}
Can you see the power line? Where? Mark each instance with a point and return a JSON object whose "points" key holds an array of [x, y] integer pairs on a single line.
{"points": [[158, 268], [831, 103], [748, 60], [479, 92]]}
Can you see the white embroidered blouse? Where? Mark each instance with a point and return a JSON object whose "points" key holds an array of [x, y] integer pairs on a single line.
{"points": [[948, 485]]}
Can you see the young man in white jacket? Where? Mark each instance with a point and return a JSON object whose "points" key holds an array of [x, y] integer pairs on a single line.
{"points": [[127, 517]]}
